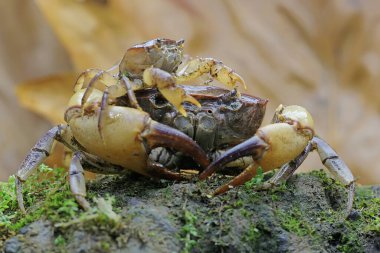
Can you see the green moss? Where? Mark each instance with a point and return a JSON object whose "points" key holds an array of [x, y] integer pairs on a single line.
{"points": [[239, 220], [105, 246], [257, 180], [252, 235], [189, 231], [59, 241], [46, 193], [294, 222], [369, 205]]}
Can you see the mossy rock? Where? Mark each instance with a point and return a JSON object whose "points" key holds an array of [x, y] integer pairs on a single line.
{"points": [[305, 215]]}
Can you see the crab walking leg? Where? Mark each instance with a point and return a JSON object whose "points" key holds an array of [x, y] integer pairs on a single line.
{"points": [[102, 111], [200, 66], [90, 86], [254, 147], [90, 78], [36, 156], [157, 170], [167, 85], [130, 93], [115, 91], [77, 181], [337, 167], [160, 135], [243, 177]]}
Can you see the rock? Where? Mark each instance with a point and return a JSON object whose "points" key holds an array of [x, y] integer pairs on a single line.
{"points": [[35, 237], [305, 215]]}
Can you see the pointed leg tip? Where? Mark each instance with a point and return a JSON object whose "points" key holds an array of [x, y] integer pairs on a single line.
{"points": [[192, 100], [206, 173], [83, 203], [182, 111], [222, 189]]}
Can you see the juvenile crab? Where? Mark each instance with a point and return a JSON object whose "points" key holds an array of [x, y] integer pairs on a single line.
{"points": [[155, 64], [285, 142], [127, 138]]}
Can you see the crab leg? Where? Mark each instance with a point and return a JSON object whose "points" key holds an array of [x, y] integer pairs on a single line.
{"points": [[166, 84], [36, 156], [216, 69], [130, 93], [90, 79], [77, 181], [115, 91], [160, 135], [254, 147], [157, 170], [243, 177], [337, 167], [330, 160]]}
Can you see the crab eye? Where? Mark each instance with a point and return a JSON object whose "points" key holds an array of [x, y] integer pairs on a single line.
{"points": [[180, 42], [234, 106], [158, 42]]}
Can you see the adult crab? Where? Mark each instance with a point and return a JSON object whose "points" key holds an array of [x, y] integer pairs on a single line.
{"points": [[130, 137], [225, 120]]}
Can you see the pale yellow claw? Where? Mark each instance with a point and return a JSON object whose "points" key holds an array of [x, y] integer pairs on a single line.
{"points": [[216, 69], [176, 96], [166, 84]]}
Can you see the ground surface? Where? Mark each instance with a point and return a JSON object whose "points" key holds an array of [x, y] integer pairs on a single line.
{"points": [[305, 215]]}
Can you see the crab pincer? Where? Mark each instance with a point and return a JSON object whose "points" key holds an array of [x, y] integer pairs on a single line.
{"points": [[127, 138], [285, 143]]}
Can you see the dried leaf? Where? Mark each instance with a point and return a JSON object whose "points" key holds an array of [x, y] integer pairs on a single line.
{"points": [[47, 96]]}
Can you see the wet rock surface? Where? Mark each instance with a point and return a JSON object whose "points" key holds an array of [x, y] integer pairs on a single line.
{"points": [[305, 215]]}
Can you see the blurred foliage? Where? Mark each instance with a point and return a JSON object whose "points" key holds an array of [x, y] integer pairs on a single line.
{"points": [[321, 54]]}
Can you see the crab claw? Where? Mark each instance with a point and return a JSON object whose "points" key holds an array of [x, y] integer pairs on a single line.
{"points": [[254, 147], [216, 69], [167, 86], [160, 135]]}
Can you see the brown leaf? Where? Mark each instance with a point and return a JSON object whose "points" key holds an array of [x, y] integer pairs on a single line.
{"points": [[47, 96]]}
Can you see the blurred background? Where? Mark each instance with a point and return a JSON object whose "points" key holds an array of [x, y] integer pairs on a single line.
{"points": [[321, 54]]}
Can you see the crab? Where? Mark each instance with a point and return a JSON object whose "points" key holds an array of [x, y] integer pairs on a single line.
{"points": [[158, 63], [224, 120], [284, 144], [134, 140], [127, 138], [227, 127]]}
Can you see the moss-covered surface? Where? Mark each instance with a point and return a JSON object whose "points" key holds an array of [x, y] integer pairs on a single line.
{"points": [[135, 214]]}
